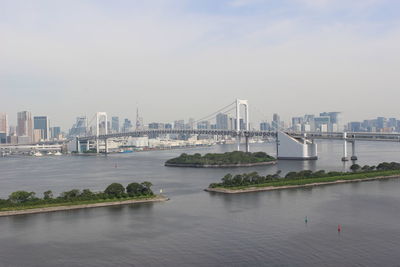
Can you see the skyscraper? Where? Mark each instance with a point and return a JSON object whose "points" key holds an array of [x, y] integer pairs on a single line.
{"points": [[3, 127], [42, 123], [222, 121], [25, 126], [276, 122], [115, 124]]}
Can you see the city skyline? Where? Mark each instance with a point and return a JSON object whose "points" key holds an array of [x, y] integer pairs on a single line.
{"points": [[171, 57]]}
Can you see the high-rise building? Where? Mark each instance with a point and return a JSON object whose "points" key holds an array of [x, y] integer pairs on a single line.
{"points": [[191, 123], [24, 126], [179, 124], [41, 123], [3, 128], [139, 121], [222, 121], [203, 125], [264, 126], [126, 126], [115, 124], [276, 122], [55, 132], [322, 123]]}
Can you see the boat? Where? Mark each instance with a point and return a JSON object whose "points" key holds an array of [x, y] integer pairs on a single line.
{"points": [[58, 153], [49, 153], [126, 151], [38, 154]]}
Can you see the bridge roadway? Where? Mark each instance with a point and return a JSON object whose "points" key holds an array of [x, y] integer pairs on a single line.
{"points": [[139, 133], [366, 136], [351, 136]]}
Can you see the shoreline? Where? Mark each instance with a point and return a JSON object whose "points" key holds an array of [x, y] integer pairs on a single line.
{"points": [[158, 198], [220, 166], [271, 188]]}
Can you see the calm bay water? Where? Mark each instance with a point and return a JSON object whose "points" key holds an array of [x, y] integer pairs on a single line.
{"points": [[200, 228]]}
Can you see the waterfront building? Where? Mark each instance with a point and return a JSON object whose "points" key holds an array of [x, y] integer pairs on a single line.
{"points": [[265, 126], [24, 127], [381, 122], [55, 132], [3, 127], [297, 123], [37, 135], [41, 123], [322, 123], [309, 119]]}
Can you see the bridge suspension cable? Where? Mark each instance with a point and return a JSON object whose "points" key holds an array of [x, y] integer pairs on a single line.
{"points": [[216, 112]]}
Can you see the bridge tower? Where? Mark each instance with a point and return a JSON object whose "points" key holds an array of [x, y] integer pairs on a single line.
{"points": [[99, 116], [245, 103]]}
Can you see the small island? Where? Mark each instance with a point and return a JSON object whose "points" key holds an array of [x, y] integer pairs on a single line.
{"points": [[221, 160], [23, 202], [253, 182]]}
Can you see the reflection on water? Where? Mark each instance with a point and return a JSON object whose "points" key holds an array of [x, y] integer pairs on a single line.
{"points": [[201, 228]]}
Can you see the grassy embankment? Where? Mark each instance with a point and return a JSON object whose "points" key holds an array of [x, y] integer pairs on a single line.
{"points": [[71, 203], [115, 192], [254, 180], [305, 181]]}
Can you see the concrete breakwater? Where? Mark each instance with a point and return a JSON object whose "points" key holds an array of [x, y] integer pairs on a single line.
{"points": [[158, 198]]}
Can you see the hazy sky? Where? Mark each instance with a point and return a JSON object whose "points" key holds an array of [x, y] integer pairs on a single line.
{"points": [[186, 58]]}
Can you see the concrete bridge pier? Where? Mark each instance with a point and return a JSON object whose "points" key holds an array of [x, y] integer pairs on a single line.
{"points": [[78, 145], [247, 144], [345, 157], [353, 151], [106, 145], [97, 146]]}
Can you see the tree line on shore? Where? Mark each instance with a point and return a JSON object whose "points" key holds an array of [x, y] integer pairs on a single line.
{"points": [[253, 178], [235, 157], [113, 191]]}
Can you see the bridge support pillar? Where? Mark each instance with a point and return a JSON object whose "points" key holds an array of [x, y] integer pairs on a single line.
{"points": [[78, 145], [353, 150], [97, 146], [238, 142], [88, 145], [106, 146], [247, 144], [345, 158]]}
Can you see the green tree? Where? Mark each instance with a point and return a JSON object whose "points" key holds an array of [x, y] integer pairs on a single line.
{"points": [[146, 190], [21, 196], [70, 195], [355, 167], [134, 189], [87, 194], [115, 190], [48, 195]]}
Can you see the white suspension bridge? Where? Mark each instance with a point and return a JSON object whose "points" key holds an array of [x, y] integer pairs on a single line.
{"points": [[290, 145]]}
